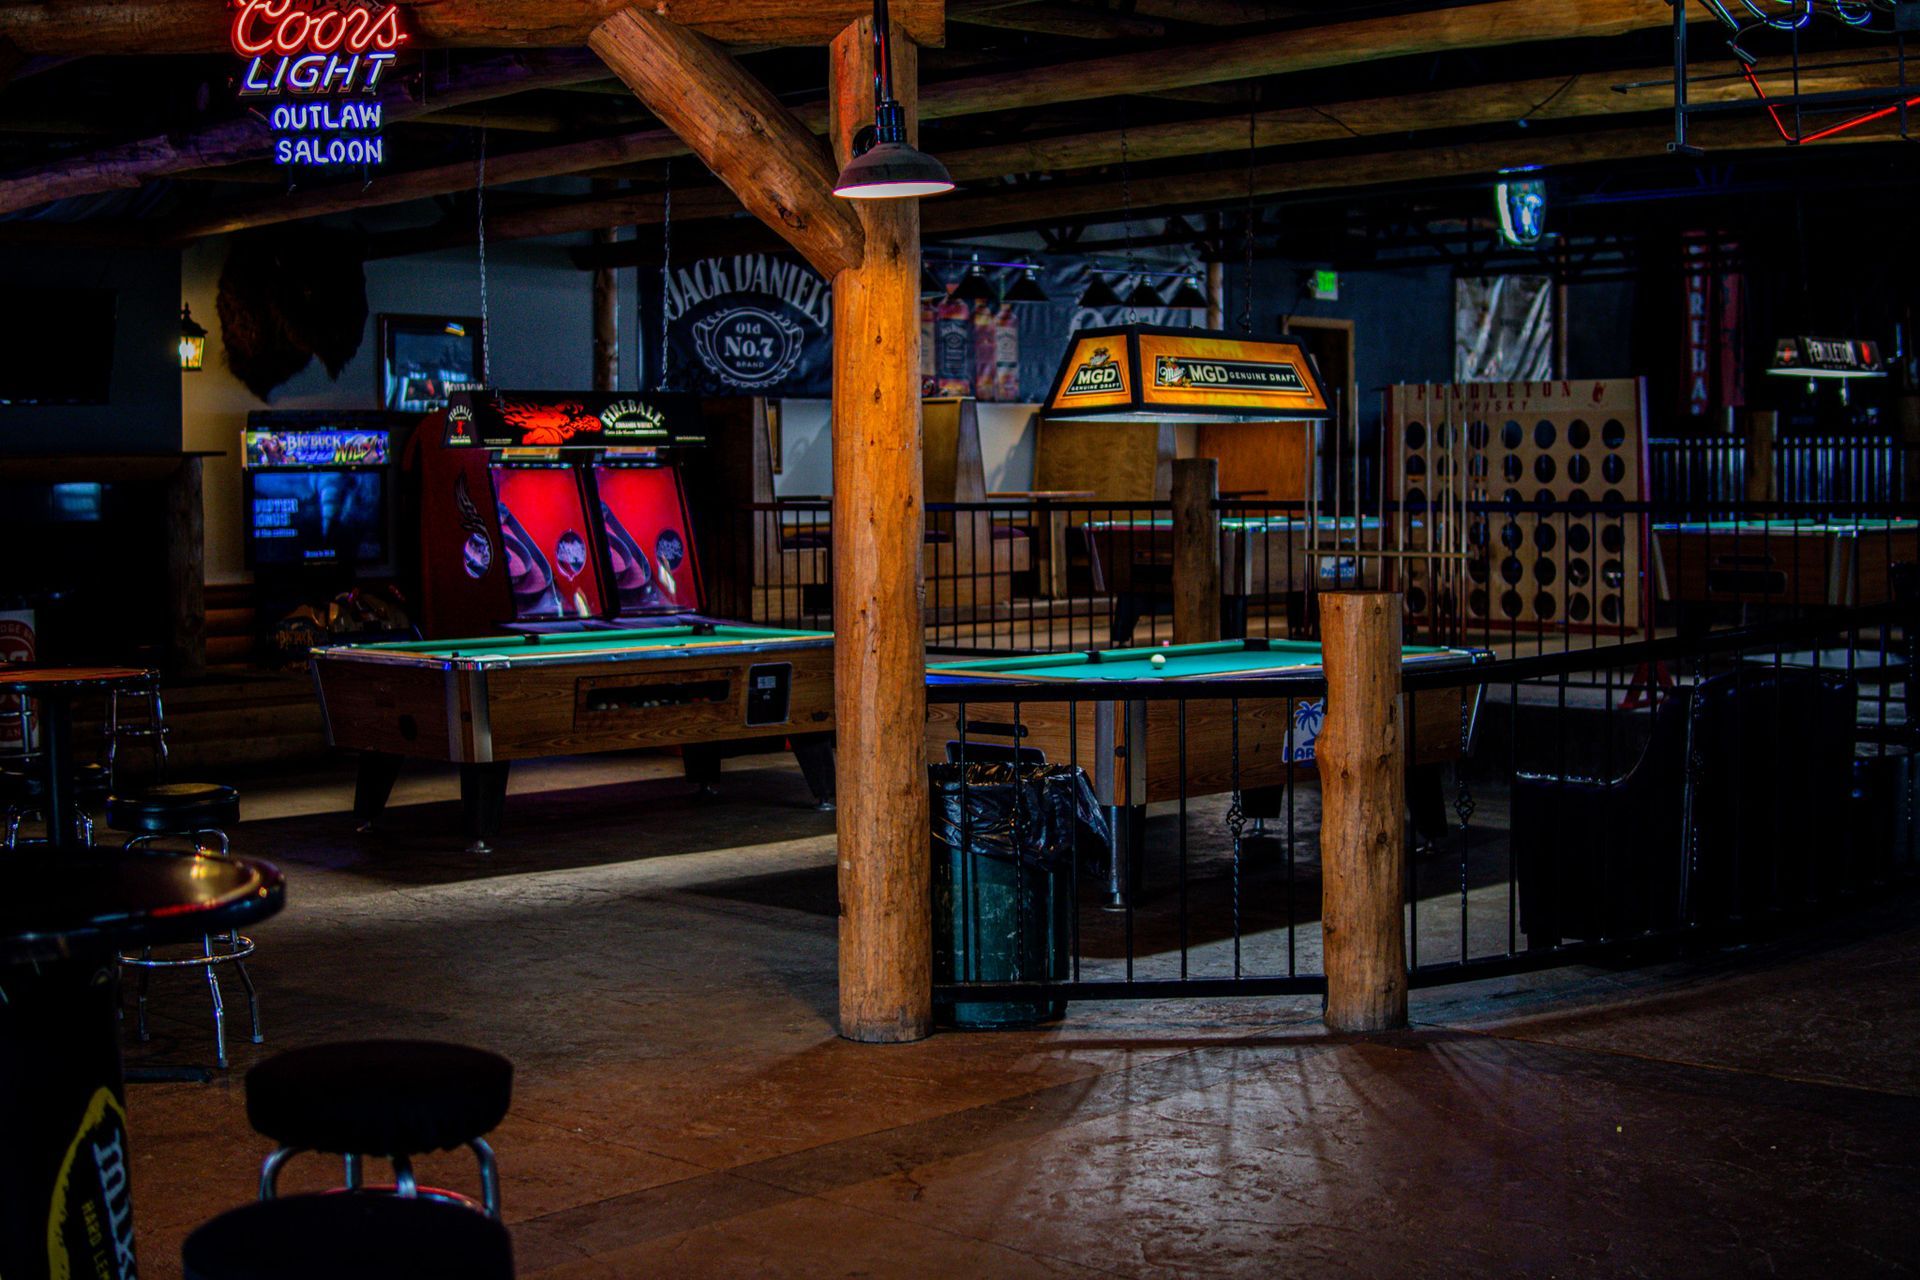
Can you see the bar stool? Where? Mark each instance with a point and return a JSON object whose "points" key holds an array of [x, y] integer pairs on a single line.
{"points": [[151, 729], [367, 1237], [391, 1099], [22, 792], [197, 812]]}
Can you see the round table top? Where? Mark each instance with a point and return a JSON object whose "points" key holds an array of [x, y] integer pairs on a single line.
{"points": [[22, 678], [55, 901]]}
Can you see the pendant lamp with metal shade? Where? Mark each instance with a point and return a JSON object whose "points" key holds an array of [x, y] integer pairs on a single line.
{"points": [[1027, 288], [974, 286], [1144, 296], [1189, 296], [885, 166], [1100, 294]]}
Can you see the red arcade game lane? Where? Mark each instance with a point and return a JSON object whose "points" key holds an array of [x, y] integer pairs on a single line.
{"points": [[545, 533], [644, 520]]}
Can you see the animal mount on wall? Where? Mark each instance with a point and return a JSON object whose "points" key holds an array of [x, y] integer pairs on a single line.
{"points": [[287, 297]]}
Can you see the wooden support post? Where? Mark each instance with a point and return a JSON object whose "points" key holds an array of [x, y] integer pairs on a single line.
{"points": [[1761, 425], [880, 704], [1196, 550], [606, 309], [1362, 760], [186, 569]]}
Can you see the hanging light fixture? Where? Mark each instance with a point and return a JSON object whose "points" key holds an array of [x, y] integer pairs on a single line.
{"points": [[1144, 295], [1027, 288], [1189, 296], [1100, 294], [974, 286], [193, 342], [885, 166]]}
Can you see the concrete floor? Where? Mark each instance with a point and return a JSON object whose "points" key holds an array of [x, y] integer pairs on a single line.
{"points": [[661, 971]]}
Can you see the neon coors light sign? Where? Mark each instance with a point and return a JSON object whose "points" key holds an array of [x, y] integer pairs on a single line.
{"points": [[323, 60]]}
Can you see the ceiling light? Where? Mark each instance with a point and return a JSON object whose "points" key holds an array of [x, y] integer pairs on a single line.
{"points": [[1100, 294], [1026, 288], [887, 166], [1189, 296], [1144, 296], [974, 286]]}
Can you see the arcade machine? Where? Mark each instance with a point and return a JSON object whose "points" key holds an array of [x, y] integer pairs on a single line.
{"points": [[318, 499], [547, 514]]}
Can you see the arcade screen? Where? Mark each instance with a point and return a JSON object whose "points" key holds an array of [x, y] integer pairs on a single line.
{"points": [[648, 545], [322, 517], [544, 531]]}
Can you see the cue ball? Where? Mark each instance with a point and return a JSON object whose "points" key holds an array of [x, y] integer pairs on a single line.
{"points": [[1158, 659]]}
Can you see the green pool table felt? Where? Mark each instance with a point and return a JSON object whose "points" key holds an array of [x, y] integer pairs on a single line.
{"points": [[1184, 662]]}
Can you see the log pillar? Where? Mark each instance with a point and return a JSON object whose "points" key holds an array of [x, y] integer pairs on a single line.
{"points": [[1362, 761], [1196, 550], [880, 705], [606, 309], [1761, 426], [187, 569]]}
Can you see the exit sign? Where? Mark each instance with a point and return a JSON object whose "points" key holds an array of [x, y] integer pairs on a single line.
{"points": [[1325, 286]]}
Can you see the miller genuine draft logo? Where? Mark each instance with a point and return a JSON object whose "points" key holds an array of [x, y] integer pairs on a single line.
{"points": [[1195, 374], [90, 1223], [1099, 373]]}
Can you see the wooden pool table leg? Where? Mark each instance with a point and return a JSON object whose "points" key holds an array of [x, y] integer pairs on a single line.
{"points": [[814, 752], [700, 762], [372, 785], [483, 794]]}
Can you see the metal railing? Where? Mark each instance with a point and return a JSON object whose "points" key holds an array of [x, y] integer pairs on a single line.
{"points": [[1563, 806]]}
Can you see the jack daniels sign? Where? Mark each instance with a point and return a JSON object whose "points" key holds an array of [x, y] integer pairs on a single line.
{"points": [[755, 322]]}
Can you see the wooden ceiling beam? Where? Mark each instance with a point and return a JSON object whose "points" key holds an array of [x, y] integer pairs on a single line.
{"points": [[1551, 98], [766, 154], [1475, 25], [1058, 19], [130, 164], [201, 26], [1272, 53], [1009, 208]]}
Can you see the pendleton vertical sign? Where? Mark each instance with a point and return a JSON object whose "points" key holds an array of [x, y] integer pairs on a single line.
{"points": [[754, 322], [1713, 365], [322, 65]]}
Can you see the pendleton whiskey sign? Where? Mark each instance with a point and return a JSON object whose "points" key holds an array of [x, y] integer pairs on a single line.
{"points": [[1142, 373]]}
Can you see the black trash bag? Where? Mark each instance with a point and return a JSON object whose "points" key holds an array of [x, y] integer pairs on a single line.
{"points": [[1002, 847], [979, 807]]}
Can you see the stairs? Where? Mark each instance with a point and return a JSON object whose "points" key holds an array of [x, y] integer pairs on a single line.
{"points": [[225, 721], [229, 624]]}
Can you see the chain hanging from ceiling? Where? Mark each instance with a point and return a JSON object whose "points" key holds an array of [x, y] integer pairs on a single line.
{"points": [[480, 214]]}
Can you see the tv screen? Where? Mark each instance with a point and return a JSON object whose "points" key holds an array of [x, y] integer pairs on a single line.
{"points": [[56, 346], [321, 517]]}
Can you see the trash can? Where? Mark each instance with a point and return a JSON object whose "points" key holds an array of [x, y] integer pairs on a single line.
{"points": [[1002, 846]]}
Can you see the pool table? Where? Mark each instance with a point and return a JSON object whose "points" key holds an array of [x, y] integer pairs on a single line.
{"points": [[1132, 560], [483, 703], [1131, 748], [1782, 562]]}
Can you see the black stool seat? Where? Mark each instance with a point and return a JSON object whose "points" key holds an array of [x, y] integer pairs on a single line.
{"points": [[379, 1097], [168, 807], [348, 1234], [22, 786]]}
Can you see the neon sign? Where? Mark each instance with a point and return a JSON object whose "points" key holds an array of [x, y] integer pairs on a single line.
{"points": [[333, 49]]}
